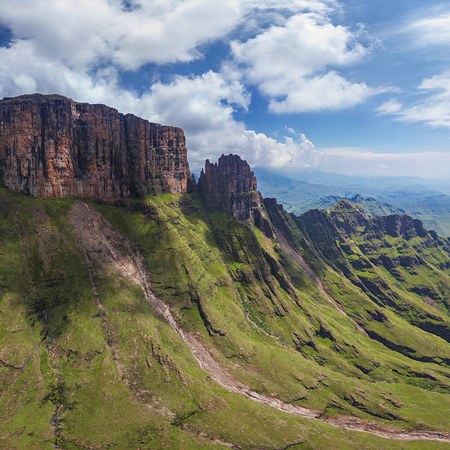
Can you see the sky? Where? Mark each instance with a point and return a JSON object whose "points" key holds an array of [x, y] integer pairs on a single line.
{"points": [[351, 87]]}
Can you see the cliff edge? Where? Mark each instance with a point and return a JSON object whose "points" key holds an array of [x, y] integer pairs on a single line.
{"points": [[52, 146]]}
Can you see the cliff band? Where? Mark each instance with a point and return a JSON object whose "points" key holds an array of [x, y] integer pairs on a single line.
{"points": [[52, 146]]}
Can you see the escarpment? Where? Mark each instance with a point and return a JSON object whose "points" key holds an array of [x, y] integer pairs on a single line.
{"points": [[229, 185], [52, 146]]}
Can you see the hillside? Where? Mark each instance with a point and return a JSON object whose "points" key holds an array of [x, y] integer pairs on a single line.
{"points": [[87, 360], [215, 319]]}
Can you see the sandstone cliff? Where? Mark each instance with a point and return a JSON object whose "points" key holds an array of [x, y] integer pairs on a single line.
{"points": [[52, 146], [230, 186]]}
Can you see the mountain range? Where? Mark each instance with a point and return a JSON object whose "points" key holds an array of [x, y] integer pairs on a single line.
{"points": [[426, 200], [142, 309]]}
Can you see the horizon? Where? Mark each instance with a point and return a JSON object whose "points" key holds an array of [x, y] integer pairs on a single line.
{"points": [[341, 87]]}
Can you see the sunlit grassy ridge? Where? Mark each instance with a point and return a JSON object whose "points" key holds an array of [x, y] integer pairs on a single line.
{"points": [[78, 377]]}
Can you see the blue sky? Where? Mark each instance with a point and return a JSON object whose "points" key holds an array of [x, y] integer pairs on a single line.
{"points": [[352, 87]]}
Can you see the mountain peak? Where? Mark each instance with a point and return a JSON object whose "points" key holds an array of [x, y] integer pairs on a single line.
{"points": [[344, 206], [348, 216], [231, 174], [229, 185]]}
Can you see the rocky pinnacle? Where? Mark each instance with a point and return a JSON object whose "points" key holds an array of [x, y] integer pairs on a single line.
{"points": [[52, 146]]}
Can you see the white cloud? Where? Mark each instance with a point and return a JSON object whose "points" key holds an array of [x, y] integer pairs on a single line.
{"points": [[330, 91], [389, 107], [204, 107], [431, 28], [292, 63], [350, 161], [87, 33], [24, 71], [307, 43], [432, 109], [319, 6]]}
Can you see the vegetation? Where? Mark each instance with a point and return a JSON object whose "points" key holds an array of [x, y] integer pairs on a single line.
{"points": [[86, 362]]}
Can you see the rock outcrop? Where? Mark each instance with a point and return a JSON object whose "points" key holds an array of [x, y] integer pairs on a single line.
{"points": [[52, 146], [230, 186], [401, 225]]}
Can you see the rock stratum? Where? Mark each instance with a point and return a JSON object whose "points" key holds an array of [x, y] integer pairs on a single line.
{"points": [[52, 146]]}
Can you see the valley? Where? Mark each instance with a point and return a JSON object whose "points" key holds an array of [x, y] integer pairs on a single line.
{"points": [[211, 317]]}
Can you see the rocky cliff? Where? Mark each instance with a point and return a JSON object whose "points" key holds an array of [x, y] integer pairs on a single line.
{"points": [[230, 186], [52, 146]]}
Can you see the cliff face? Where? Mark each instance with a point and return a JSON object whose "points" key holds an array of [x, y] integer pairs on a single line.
{"points": [[51, 146], [230, 186]]}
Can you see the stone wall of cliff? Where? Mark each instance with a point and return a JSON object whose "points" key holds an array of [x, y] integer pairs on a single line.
{"points": [[230, 186], [51, 146]]}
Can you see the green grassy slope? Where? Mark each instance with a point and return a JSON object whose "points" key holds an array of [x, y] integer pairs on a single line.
{"points": [[85, 362]]}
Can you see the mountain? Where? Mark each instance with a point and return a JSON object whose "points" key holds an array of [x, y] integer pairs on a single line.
{"points": [[370, 205], [377, 195], [216, 319], [51, 146]]}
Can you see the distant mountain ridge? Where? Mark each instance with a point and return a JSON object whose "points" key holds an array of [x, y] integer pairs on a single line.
{"points": [[429, 205]]}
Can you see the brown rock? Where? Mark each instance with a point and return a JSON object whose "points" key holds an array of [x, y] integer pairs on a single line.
{"points": [[52, 146], [230, 186], [230, 175]]}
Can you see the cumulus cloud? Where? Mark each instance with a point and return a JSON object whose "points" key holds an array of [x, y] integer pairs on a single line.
{"points": [[132, 33], [432, 109], [24, 71], [204, 107], [87, 33], [330, 91], [291, 63]]}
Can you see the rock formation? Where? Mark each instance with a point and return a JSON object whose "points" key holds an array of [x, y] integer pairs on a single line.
{"points": [[230, 186], [52, 146]]}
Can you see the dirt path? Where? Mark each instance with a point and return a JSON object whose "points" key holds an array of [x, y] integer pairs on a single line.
{"points": [[313, 276], [107, 246]]}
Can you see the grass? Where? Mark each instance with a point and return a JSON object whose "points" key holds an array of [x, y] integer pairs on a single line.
{"points": [[127, 380]]}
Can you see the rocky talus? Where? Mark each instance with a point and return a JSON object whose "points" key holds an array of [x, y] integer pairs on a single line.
{"points": [[52, 146]]}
